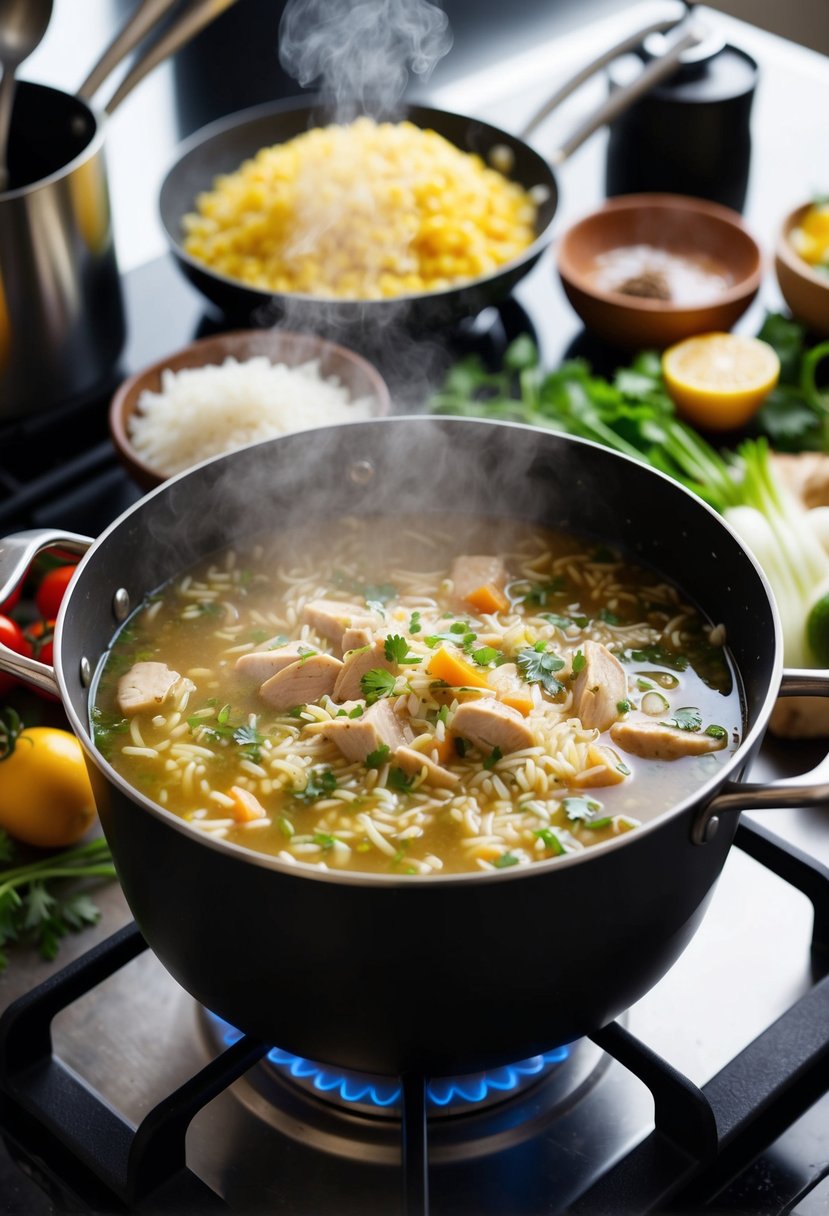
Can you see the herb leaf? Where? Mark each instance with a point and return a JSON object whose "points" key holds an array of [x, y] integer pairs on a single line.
{"points": [[378, 757], [493, 758], [688, 718], [538, 667], [398, 780], [377, 683], [580, 808], [320, 782], [396, 650]]}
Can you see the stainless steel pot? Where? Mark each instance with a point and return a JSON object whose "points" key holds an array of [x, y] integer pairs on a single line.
{"points": [[61, 313], [443, 973]]}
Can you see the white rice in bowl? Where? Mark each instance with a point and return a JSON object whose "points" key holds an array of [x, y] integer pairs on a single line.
{"points": [[207, 411]]}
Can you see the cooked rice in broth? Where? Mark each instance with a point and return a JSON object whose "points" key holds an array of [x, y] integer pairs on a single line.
{"points": [[444, 695]]}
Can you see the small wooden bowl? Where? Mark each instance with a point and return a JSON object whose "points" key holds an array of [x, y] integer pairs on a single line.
{"points": [[804, 290], [356, 375], [674, 223]]}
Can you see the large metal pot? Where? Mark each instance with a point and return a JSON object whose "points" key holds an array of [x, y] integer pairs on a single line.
{"points": [[445, 973], [61, 313]]}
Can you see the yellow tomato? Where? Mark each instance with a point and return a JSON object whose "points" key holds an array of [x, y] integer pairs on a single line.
{"points": [[45, 796], [719, 381]]}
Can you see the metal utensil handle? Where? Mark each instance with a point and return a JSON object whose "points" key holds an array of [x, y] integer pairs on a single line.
{"points": [[195, 18], [621, 99], [137, 26], [805, 790], [17, 552]]}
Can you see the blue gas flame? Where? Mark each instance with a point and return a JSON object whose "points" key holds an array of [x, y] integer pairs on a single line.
{"points": [[444, 1092]]}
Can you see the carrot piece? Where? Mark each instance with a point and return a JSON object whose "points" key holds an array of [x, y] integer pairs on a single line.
{"points": [[488, 598], [445, 747], [444, 665], [518, 700], [246, 806]]}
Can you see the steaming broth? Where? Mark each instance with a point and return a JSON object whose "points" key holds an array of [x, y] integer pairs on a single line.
{"points": [[463, 731]]}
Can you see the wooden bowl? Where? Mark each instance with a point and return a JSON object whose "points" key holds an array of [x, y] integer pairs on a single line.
{"points": [[356, 374], [805, 291], [677, 225]]}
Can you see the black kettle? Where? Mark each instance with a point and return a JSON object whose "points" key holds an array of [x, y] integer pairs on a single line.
{"points": [[691, 134]]}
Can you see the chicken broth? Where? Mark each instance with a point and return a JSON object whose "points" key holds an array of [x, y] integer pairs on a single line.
{"points": [[417, 699]]}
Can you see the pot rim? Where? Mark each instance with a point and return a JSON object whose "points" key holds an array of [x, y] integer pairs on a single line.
{"points": [[298, 869], [91, 150]]}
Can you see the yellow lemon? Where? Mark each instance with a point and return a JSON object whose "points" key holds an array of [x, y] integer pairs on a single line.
{"points": [[718, 381]]}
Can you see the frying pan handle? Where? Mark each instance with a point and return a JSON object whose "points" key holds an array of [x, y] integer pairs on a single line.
{"points": [[805, 790], [17, 552], [620, 99]]}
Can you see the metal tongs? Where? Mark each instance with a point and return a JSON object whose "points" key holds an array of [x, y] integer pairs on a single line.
{"points": [[687, 34], [147, 17]]}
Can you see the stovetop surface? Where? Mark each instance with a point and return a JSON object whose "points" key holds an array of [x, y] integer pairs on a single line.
{"points": [[140, 1034]]}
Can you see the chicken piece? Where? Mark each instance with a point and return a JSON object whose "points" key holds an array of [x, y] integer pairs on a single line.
{"points": [[355, 638], [331, 618], [356, 665], [147, 686], [604, 769], [655, 741], [489, 724], [600, 686], [306, 680], [511, 689], [260, 665], [413, 762], [482, 574], [357, 737]]}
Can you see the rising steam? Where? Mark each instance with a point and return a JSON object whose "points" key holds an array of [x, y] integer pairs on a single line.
{"points": [[361, 53]]}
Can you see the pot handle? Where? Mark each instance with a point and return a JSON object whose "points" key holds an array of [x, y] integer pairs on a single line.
{"points": [[621, 99], [805, 790], [17, 552]]}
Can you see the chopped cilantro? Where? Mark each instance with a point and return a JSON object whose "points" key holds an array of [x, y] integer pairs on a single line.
{"points": [[376, 684], [609, 618], [378, 757], [716, 732], [564, 622], [396, 650], [579, 662], [506, 859], [485, 655], [398, 780], [539, 594], [356, 712], [414, 623], [688, 718], [319, 783], [296, 711], [655, 654], [538, 667], [250, 741]]}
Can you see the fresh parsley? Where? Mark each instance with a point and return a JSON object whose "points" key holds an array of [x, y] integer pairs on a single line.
{"points": [[564, 622], [485, 655], [398, 780], [581, 809], [688, 718], [377, 683], [319, 784], [505, 860], [396, 650], [378, 757], [414, 623], [33, 906], [539, 667]]}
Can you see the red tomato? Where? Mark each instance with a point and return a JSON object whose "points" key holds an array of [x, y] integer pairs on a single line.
{"points": [[12, 636], [8, 604], [41, 636], [51, 591]]}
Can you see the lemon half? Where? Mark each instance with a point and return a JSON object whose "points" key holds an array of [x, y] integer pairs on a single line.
{"points": [[718, 381]]}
